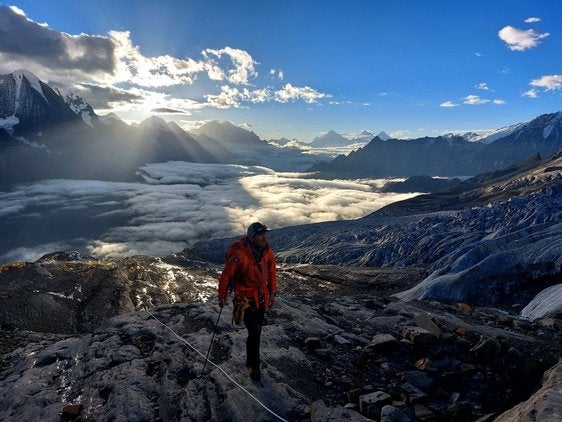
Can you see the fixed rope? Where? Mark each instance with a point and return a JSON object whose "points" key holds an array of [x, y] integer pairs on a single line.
{"points": [[218, 367]]}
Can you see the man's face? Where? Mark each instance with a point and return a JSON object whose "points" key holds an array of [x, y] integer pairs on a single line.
{"points": [[260, 240]]}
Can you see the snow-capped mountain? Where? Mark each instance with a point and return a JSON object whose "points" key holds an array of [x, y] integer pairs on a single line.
{"points": [[490, 136], [364, 137], [330, 139], [334, 139], [27, 105], [227, 133], [47, 133], [383, 136], [450, 155]]}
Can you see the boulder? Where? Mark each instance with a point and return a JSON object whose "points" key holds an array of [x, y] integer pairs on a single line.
{"points": [[426, 321], [486, 349], [413, 394], [393, 414], [341, 341], [381, 344], [417, 378], [423, 413], [378, 398], [319, 412], [417, 335]]}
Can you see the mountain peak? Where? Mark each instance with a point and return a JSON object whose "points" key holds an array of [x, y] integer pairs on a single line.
{"points": [[33, 80], [22, 72], [330, 139], [223, 130], [383, 136]]}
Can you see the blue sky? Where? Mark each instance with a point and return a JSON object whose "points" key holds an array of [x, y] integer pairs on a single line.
{"points": [[297, 69]]}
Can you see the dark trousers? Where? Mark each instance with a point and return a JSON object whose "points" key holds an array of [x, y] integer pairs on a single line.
{"points": [[253, 318]]}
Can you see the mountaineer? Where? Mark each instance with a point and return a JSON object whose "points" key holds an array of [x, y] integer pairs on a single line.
{"points": [[250, 271]]}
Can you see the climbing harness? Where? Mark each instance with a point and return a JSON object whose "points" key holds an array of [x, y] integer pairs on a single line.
{"points": [[218, 367], [239, 309]]}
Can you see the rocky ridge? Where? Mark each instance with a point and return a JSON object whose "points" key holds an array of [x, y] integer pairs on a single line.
{"points": [[335, 344]]}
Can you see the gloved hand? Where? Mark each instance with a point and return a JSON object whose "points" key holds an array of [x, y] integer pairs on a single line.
{"points": [[223, 302], [271, 299]]}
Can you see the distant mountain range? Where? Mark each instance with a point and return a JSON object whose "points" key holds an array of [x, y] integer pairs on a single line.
{"points": [[334, 139], [450, 155], [45, 133]]}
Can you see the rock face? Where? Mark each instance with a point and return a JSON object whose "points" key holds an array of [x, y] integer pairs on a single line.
{"points": [[338, 339], [544, 405], [68, 293]]}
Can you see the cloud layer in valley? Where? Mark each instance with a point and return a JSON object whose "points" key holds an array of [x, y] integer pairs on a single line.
{"points": [[180, 203]]}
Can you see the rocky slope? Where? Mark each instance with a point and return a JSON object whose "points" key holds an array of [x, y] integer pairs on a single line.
{"points": [[335, 337]]}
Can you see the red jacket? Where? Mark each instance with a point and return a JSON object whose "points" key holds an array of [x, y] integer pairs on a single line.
{"points": [[248, 276]]}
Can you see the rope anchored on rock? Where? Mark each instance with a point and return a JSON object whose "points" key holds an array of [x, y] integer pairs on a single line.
{"points": [[217, 366]]}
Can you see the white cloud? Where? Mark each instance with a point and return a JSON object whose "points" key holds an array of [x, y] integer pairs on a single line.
{"points": [[448, 104], [229, 97], [31, 254], [277, 73], [185, 202], [520, 39], [477, 54], [306, 93], [474, 100], [244, 65], [119, 66], [532, 93], [532, 20], [232, 97], [258, 95], [483, 86], [477, 100], [548, 82], [133, 67], [400, 134]]}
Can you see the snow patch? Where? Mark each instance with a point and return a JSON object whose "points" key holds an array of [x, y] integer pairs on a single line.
{"points": [[548, 302], [33, 81], [70, 296], [488, 137], [32, 144], [87, 118], [9, 122], [555, 122]]}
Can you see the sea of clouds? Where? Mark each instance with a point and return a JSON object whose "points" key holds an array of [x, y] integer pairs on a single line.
{"points": [[175, 205]]}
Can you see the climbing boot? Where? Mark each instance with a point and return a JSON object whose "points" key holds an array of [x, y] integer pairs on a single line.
{"points": [[255, 374]]}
